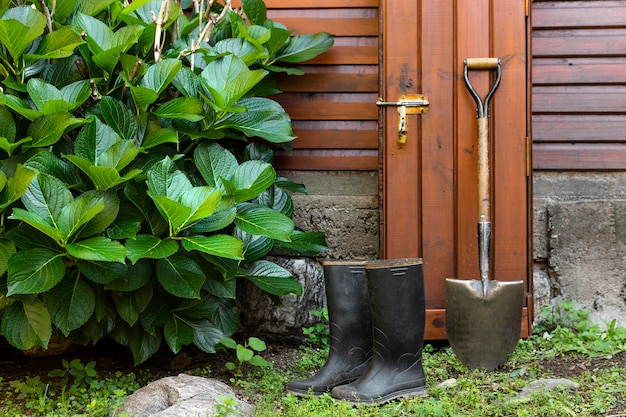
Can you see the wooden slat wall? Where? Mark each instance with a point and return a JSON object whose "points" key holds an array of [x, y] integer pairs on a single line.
{"points": [[579, 91], [333, 105]]}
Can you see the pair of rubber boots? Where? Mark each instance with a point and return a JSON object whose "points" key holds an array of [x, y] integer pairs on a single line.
{"points": [[376, 313]]}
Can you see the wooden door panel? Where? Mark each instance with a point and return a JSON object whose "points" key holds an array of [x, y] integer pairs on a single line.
{"points": [[429, 183]]}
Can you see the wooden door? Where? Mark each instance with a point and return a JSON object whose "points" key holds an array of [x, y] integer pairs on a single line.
{"points": [[429, 183]]}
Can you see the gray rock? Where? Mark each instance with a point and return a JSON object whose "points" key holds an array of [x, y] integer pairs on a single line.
{"points": [[182, 396], [546, 385]]}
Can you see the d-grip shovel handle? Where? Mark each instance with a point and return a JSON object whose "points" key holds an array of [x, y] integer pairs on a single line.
{"points": [[484, 203]]}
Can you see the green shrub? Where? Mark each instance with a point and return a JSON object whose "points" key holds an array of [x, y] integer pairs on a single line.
{"points": [[131, 198]]}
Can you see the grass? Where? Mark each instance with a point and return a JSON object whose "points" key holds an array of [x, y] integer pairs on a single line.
{"points": [[566, 345]]}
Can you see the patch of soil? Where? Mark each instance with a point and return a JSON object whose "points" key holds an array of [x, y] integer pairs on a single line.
{"points": [[111, 357]]}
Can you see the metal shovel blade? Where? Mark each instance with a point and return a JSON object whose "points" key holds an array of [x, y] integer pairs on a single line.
{"points": [[483, 327]]}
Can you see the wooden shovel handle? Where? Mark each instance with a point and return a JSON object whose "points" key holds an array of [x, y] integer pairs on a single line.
{"points": [[482, 63], [484, 204]]}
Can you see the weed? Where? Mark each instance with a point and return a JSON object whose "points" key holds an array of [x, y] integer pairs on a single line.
{"points": [[245, 353], [226, 407], [319, 333], [83, 374]]}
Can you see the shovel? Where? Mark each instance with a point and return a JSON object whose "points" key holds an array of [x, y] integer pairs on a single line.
{"points": [[483, 317]]}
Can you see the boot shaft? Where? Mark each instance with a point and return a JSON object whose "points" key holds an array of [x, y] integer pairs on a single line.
{"points": [[396, 290]]}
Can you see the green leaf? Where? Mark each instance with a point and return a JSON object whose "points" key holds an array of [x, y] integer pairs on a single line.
{"points": [[214, 162], [8, 129], [100, 145], [47, 97], [304, 47], [143, 96], [263, 117], [46, 197], [160, 75], [48, 163], [98, 248], [34, 271], [180, 276], [137, 276], [44, 225], [71, 304], [226, 315], [257, 360], [277, 199], [143, 345], [27, 325], [224, 246], [223, 217], [255, 246], [93, 7], [48, 129], [244, 354], [255, 11], [131, 304], [155, 316], [58, 44], [257, 344], [187, 82], [251, 179], [16, 186], [206, 336], [7, 248], [119, 118], [20, 107], [105, 217], [149, 246], [228, 79], [97, 34], [177, 333], [304, 243], [64, 9], [158, 137], [19, 26], [185, 108], [77, 213], [259, 220], [272, 278], [102, 272]]}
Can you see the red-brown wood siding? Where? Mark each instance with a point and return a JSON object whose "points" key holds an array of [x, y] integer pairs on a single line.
{"points": [[333, 106], [579, 85]]}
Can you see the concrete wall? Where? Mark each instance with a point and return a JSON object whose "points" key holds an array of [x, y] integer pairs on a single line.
{"points": [[579, 243]]}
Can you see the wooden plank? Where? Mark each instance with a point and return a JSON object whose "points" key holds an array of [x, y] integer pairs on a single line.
{"points": [[330, 82], [557, 71], [510, 193], [329, 106], [579, 42], [579, 128], [579, 99], [336, 139], [584, 156], [336, 26], [326, 163], [401, 223], [338, 54], [560, 14], [437, 139], [300, 4]]}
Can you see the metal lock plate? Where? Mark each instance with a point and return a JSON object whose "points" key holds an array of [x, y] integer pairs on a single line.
{"points": [[406, 104]]}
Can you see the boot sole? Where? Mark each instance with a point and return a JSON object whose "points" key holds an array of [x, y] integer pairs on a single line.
{"points": [[408, 393]]}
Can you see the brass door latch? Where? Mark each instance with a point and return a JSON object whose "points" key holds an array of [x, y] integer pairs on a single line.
{"points": [[406, 104]]}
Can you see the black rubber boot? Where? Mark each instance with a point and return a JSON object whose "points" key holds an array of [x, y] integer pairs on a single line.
{"points": [[396, 289], [350, 324]]}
